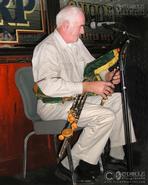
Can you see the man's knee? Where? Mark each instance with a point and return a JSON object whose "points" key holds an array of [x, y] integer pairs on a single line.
{"points": [[107, 116]]}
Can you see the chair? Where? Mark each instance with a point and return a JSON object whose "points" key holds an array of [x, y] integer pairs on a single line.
{"points": [[24, 83]]}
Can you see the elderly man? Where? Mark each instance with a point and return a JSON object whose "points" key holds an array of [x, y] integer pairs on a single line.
{"points": [[58, 67]]}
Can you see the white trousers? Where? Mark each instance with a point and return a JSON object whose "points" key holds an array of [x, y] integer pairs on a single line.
{"points": [[100, 123]]}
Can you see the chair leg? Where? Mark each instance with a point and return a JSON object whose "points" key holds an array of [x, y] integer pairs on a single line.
{"points": [[25, 152], [55, 144], [71, 163]]}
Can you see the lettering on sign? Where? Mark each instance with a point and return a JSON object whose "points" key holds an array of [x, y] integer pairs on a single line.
{"points": [[20, 16]]}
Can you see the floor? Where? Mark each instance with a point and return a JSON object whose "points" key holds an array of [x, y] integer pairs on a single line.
{"points": [[45, 176]]}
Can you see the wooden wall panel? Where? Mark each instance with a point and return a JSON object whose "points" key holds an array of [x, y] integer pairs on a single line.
{"points": [[14, 126]]}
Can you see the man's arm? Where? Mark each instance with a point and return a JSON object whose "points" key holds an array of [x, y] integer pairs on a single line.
{"points": [[46, 71]]}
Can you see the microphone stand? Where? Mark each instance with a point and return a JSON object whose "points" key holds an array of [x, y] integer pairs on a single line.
{"points": [[122, 60]]}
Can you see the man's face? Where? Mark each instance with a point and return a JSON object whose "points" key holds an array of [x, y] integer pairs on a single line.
{"points": [[75, 29]]}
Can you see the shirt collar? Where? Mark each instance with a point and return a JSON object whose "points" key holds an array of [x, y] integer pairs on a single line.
{"points": [[60, 39]]}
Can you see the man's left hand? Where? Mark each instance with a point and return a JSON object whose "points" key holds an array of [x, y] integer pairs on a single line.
{"points": [[113, 76]]}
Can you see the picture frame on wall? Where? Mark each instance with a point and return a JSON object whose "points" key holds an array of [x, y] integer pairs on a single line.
{"points": [[23, 22]]}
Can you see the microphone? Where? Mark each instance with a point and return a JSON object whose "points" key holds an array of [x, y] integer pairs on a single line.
{"points": [[95, 25], [99, 24], [110, 27], [120, 31], [113, 27]]}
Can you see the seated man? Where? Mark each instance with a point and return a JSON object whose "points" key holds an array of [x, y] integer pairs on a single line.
{"points": [[58, 67]]}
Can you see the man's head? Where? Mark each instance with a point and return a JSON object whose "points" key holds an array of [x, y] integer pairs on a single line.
{"points": [[70, 23]]}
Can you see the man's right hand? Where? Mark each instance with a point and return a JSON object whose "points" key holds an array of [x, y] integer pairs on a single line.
{"points": [[101, 88]]}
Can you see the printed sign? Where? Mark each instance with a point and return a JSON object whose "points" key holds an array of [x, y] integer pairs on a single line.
{"points": [[21, 21]]}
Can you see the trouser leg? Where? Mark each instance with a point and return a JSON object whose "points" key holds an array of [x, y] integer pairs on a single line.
{"points": [[98, 124], [117, 136]]}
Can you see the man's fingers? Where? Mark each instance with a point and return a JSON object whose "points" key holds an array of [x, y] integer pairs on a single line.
{"points": [[104, 96], [108, 91], [116, 77], [109, 84]]}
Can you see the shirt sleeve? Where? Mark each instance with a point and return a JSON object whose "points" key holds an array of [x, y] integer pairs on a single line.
{"points": [[46, 71]]}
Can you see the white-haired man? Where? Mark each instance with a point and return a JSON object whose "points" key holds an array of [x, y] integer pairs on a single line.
{"points": [[58, 66]]}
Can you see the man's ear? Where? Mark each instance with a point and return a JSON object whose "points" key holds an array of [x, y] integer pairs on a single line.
{"points": [[65, 25]]}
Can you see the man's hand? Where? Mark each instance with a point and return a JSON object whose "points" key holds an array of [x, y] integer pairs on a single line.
{"points": [[113, 76], [99, 87]]}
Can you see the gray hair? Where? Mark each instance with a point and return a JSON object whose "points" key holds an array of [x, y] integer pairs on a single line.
{"points": [[69, 13]]}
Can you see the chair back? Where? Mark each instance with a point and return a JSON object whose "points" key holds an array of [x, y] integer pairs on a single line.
{"points": [[24, 82]]}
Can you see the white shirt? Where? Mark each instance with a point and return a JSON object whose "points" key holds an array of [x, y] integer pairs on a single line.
{"points": [[58, 67]]}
